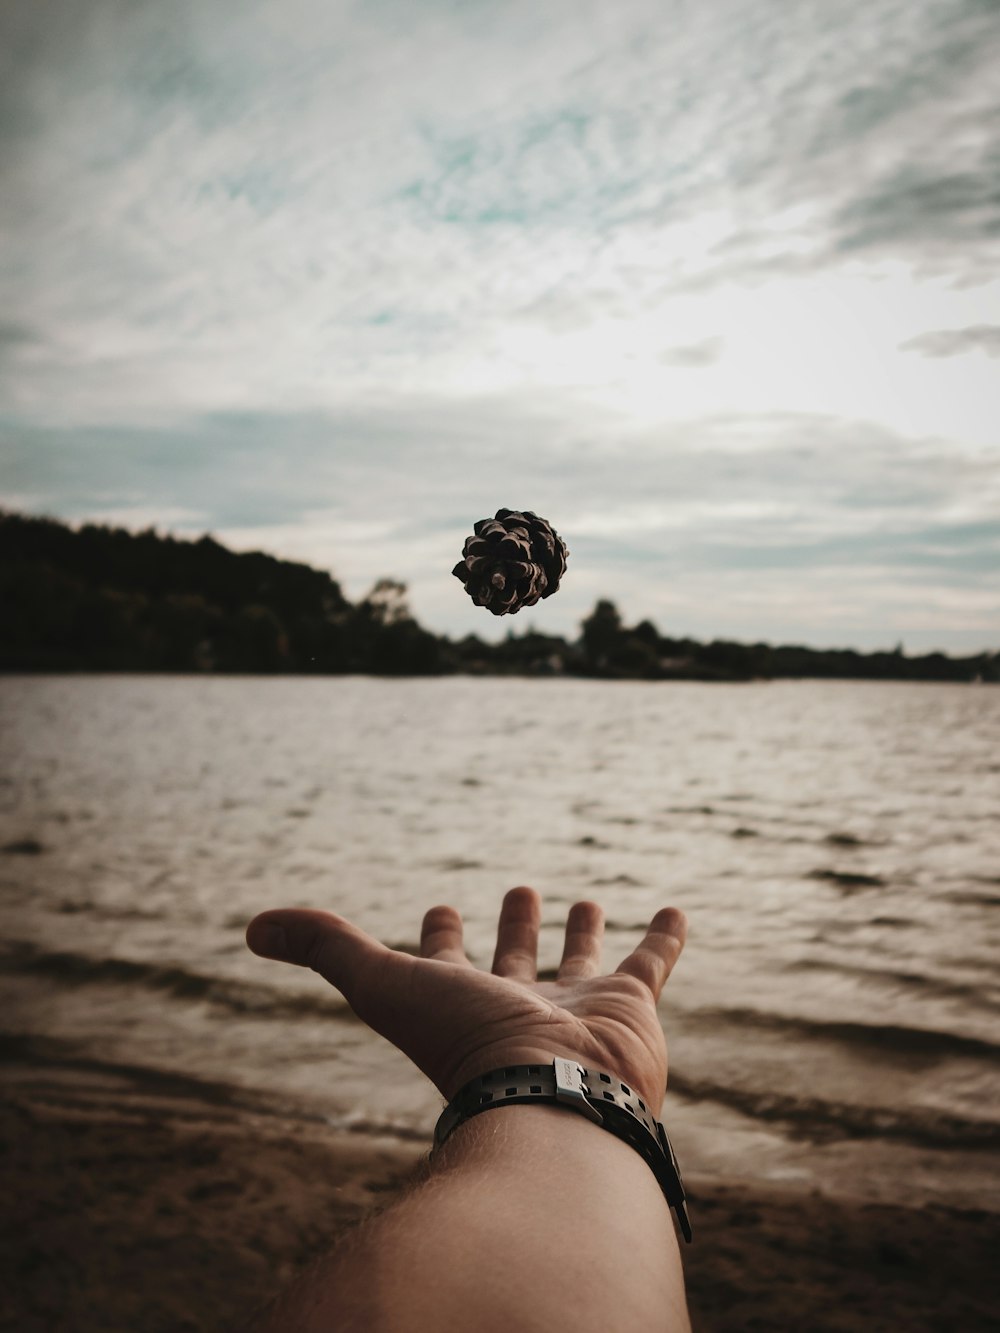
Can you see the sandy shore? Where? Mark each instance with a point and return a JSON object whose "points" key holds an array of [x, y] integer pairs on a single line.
{"points": [[137, 1201]]}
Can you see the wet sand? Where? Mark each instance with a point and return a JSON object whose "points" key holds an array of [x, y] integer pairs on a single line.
{"points": [[135, 1200]]}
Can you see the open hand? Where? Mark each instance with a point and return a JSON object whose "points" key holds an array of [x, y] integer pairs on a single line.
{"points": [[455, 1021]]}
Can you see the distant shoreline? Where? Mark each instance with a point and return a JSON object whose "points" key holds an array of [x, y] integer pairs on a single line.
{"points": [[50, 673], [99, 599]]}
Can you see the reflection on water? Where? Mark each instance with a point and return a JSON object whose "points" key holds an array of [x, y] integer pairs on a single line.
{"points": [[836, 847]]}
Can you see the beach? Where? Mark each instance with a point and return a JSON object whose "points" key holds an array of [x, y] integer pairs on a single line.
{"points": [[186, 1125], [137, 1201]]}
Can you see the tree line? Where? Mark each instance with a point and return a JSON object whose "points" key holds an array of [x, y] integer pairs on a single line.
{"points": [[103, 599]]}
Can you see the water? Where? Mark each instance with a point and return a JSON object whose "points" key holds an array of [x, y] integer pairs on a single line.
{"points": [[834, 1021]]}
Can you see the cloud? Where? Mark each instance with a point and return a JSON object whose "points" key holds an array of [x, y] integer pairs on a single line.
{"points": [[954, 342], [14, 335], [655, 520], [704, 353], [338, 275], [193, 179], [942, 211]]}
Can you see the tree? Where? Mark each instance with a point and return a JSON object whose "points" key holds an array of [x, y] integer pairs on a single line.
{"points": [[387, 603], [602, 633]]}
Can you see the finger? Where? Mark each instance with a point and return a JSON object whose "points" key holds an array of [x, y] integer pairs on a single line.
{"points": [[344, 954], [517, 935], [653, 960], [582, 948], [441, 936]]}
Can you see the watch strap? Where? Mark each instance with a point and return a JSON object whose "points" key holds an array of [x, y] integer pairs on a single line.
{"points": [[602, 1097]]}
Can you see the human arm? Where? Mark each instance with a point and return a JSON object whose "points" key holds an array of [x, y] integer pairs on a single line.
{"points": [[528, 1215]]}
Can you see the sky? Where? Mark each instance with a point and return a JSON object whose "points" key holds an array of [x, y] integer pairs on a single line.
{"points": [[712, 286]]}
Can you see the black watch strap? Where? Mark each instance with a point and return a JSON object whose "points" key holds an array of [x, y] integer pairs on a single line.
{"points": [[600, 1096]]}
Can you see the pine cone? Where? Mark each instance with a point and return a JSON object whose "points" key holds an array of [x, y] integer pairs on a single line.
{"points": [[511, 561]]}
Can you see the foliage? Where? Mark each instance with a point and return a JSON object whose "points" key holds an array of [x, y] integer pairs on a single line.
{"points": [[102, 599]]}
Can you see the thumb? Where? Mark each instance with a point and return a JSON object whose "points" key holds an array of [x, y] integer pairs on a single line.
{"points": [[345, 955]]}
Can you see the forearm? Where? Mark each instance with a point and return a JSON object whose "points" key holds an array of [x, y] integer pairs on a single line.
{"points": [[530, 1218]]}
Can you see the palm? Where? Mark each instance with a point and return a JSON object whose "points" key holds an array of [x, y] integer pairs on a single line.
{"points": [[454, 1021], [460, 1022]]}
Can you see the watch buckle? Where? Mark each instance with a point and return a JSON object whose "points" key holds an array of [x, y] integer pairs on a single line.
{"points": [[571, 1089]]}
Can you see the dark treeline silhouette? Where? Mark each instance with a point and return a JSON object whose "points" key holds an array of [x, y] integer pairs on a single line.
{"points": [[102, 599]]}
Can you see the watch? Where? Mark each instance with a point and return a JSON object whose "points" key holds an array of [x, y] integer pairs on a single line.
{"points": [[594, 1093]]}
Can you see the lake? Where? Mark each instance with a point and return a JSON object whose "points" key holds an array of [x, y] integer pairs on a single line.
{"points": [[834, 1021]]}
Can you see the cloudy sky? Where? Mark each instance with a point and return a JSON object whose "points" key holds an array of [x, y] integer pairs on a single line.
{"points": [[714, 286]]}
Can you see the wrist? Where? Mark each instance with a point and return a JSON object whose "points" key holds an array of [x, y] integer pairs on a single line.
{"points": [[651, 1081], [593, 1094], [500, 1055], [544, 1144], [559, 1214]]}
